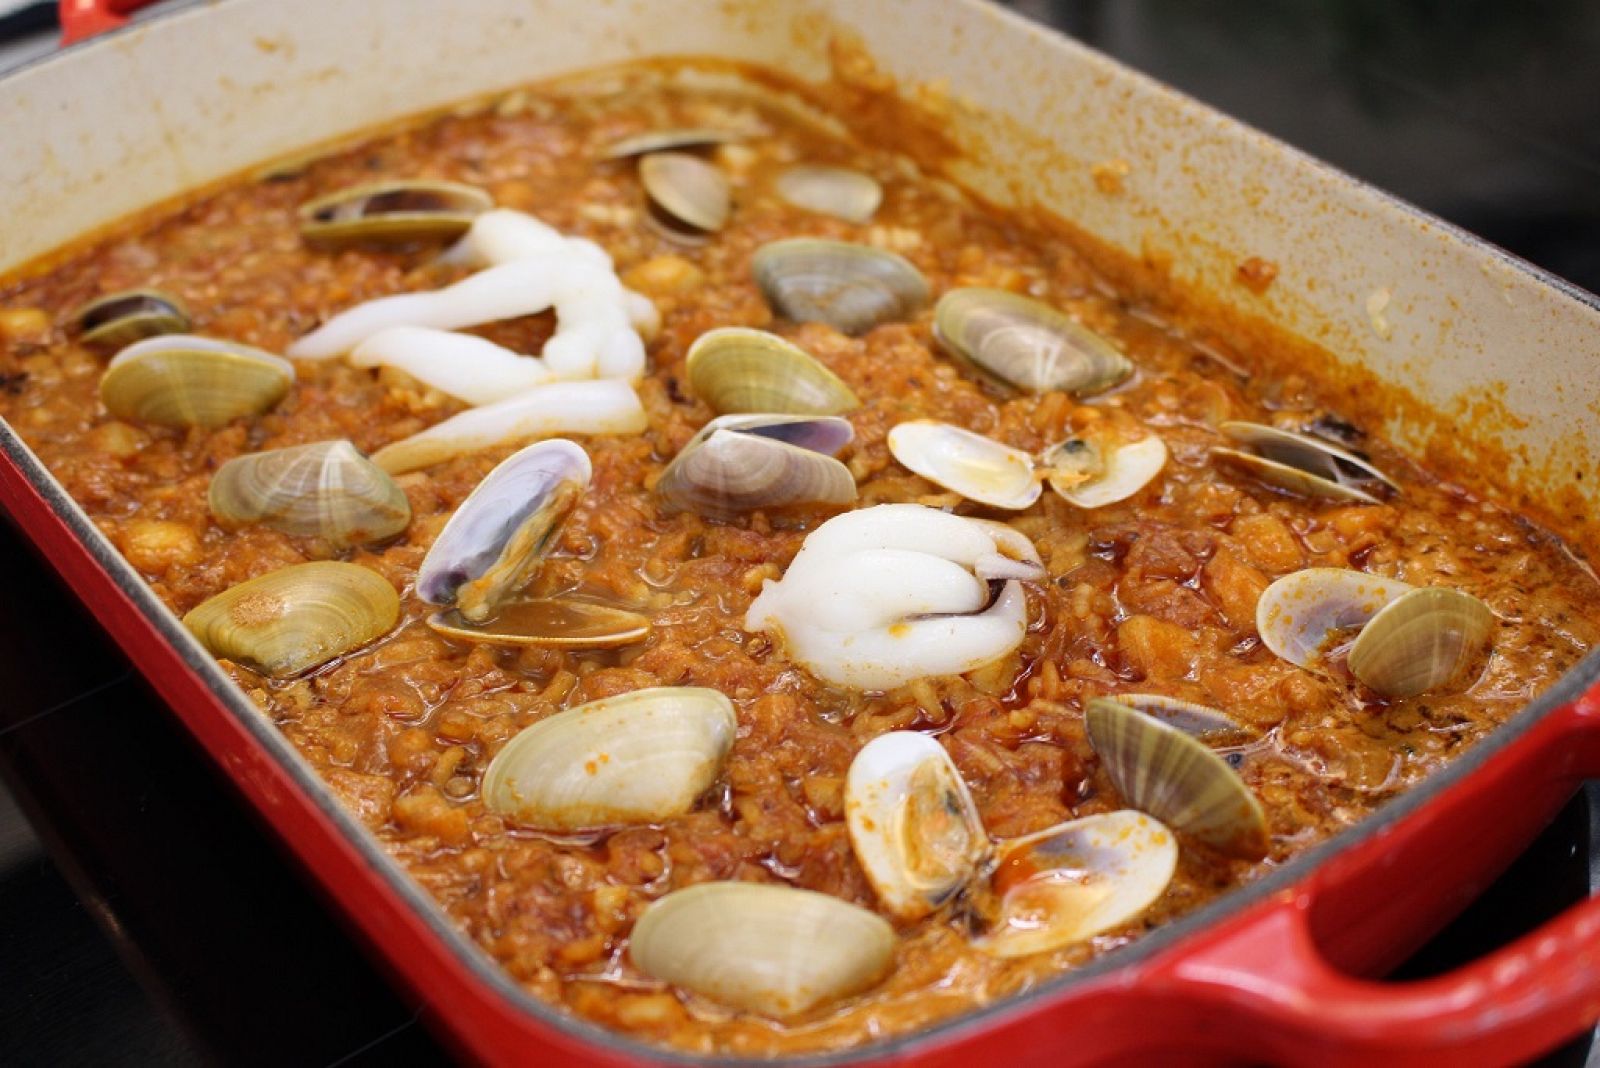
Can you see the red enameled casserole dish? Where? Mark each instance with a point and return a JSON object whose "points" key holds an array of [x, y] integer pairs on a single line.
{"points": [[1270, 972]]}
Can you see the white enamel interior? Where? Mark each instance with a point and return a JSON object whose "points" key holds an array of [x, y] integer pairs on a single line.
{"points": [[109, 127]]}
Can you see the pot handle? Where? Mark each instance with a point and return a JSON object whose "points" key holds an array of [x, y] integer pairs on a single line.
{"points": [[1264, 983], [81, 19]]}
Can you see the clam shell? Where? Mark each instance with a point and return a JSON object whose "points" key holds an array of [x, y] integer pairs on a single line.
{"points": [[837, 191], [183, 380], [773, 950], [1209, 725], [296, 618], [1303, 464], [1299, 613], [737, 464], [495, 542], [979, 468], [737, 369], [326, 490], [639, 757], [393, 212], [1161, 770], [912, 822], [668, 140], [560, 623], [1072, 881], [1026, 344], [1124, 470], [689, 191], [852, 288], [119, 319], [1423, 640]]}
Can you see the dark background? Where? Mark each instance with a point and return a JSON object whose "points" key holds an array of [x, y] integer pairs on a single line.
{"points": [[145, 917]]}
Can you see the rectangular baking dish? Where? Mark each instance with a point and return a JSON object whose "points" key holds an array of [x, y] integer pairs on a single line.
{"points": [[1504, 354]]}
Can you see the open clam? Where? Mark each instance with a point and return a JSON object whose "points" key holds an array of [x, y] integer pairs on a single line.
{"points": [[119, 319], [1168, 773], [738, 463], [1083, 472], [495, 542], [296, 618], [669, 140], [837, 191], [1092, 475], [638, 757], [326, 490], [1026, 344], [184, 380], [912, 823], [1304, 464], [1410, 640], [1072, 881], [393, 212], [737, 369], [774, 950], [852, 288], [1302, 614], [689, 197], [979, 468]]}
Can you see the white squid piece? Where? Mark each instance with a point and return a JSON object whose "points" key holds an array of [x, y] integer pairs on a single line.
{"points": [[468, 368], [531, 268], [606, 406], [503, 235], [882, 596]]}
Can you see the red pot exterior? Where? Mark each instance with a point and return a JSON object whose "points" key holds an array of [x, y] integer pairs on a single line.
{"points": [[1271, 980]]}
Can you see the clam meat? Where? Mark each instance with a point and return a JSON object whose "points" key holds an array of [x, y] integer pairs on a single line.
{"points": [[1091, 474], [884, 595], [289, 621], [852, 288], [495, 542], [737, 369], [912, 823], [1176, 778], [326, 490], [393, 212], [1026, 344], [639, 757], [118, 319], [739, 463], [768, 949], [183, 380]]}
